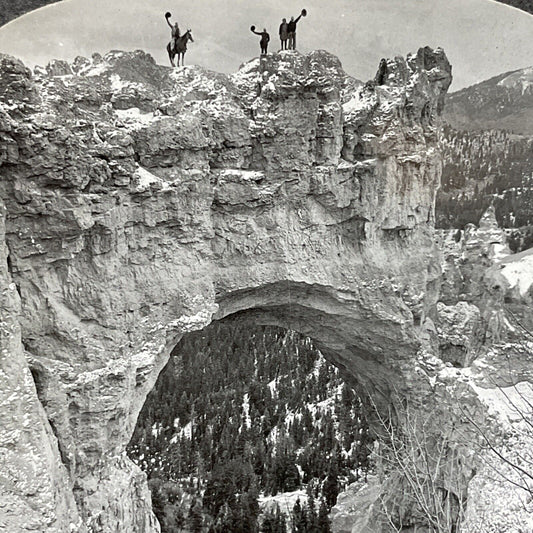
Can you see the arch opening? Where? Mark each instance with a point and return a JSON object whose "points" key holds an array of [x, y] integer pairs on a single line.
{"points": [[372, 351], [246, 419], [370, 338]]}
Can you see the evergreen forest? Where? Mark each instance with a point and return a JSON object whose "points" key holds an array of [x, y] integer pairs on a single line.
{"points": [[249, 429]]}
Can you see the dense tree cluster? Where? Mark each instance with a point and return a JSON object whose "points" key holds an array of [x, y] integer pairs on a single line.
{"points": [[306, 519], [483, 168], [241, 412]]}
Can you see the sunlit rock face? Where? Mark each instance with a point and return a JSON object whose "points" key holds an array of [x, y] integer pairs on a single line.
{"points": [[141, 203]]}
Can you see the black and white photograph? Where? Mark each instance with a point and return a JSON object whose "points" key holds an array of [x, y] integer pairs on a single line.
{"points": [[266, 267]]}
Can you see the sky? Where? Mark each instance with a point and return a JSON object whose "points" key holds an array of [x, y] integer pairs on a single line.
{"points": [[482, 38]]}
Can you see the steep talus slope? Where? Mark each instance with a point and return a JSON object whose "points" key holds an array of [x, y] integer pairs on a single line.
{"points": [[141, 201]]}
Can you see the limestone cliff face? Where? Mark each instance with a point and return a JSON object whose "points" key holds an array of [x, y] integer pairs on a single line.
{"points": [[485, 299], [142, 202]]}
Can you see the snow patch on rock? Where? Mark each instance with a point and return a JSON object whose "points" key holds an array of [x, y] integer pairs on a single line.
{"points": [[285, 501], [511, 404], [134, 117], [522, 79], [144, 180], [518, 270]]}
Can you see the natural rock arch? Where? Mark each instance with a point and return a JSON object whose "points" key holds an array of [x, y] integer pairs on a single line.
{"points": [[140, 203]]}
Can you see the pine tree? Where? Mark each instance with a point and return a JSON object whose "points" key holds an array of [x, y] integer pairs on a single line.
{"points": [[195, 519], [179, 519], [330, 488], [299, 520], [310, 511], [324, 524], [281, 525], [250, 506], [273, 522]]}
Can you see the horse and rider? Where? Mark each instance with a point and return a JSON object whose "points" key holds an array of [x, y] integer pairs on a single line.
{"points": [[178, 44]]}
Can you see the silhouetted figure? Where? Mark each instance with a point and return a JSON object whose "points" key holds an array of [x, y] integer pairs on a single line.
{"points": [[174, 29], [179, 48], [292, 30], [265, 38], [283, 34]]}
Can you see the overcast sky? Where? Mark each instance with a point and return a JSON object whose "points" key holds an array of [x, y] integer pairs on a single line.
{"points": [[482, 38]]}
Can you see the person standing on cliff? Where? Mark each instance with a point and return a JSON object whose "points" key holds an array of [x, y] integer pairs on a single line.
{"points": [[265, 38], [174, 31], [292, 30], [283, 34]]}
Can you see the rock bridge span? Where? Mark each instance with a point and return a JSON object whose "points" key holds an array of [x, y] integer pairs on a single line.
{"points": [[140, 203]]}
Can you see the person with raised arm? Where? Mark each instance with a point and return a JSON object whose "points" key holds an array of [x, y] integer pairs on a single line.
{"points": [[292, 30], [174, 31], [265, 38]]}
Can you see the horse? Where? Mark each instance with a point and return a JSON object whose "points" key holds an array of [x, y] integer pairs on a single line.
{"points": [[180, 48]]}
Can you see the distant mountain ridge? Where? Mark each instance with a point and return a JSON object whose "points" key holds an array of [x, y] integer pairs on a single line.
{"points": [[488, 155], [504, 102]]}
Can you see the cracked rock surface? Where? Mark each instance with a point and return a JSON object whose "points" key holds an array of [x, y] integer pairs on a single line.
{"points": [[141, 203]]}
